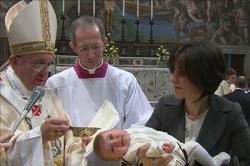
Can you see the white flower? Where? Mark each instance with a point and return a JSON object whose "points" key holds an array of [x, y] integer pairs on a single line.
{"points": [[162, 53], [111, 50]]}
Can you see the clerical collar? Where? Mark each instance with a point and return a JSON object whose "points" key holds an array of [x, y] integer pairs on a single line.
{"points": [[98, 72]]}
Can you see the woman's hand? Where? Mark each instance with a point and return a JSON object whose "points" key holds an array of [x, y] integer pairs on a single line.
{"points": [[161, 161], [167, 147]]}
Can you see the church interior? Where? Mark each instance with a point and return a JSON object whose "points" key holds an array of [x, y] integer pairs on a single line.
{"points": [[142, 31], [124, 82]]}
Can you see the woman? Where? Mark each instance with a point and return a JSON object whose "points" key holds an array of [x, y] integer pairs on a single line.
{"points": [[194, 112]]}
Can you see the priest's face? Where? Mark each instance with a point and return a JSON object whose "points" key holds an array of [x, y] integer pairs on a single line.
{"points": [[89, 45], [32, 69]]}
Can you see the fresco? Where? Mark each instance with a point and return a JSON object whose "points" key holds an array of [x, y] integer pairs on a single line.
{"points": [[225, 22]]}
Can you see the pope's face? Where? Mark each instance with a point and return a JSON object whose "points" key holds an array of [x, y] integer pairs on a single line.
{"points": [[32, 69], [89, 46]]}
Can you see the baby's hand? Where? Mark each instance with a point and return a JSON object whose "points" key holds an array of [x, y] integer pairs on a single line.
{"points": [[151, 161], [167, 147], [86, 141]]}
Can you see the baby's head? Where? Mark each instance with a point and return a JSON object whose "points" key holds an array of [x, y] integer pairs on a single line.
{"points": [[111, 144]]}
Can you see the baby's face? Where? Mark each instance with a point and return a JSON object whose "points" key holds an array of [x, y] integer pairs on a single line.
{"points": [[115, 143]]}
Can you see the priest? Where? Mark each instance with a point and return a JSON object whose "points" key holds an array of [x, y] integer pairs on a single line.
{"points": [[91, 81]]}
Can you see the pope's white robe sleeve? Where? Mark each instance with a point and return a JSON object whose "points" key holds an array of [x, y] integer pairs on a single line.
{"points": [[27, 149]]}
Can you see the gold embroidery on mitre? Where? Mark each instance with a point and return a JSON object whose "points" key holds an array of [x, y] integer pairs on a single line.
{"points": [[38, 46], [45, 25], [33, 47]]}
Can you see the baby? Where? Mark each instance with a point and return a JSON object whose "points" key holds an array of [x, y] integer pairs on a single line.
{"points": [[116, 144]]}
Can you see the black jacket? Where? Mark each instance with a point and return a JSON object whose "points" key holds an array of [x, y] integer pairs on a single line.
{"points": [[243, 99], [224, 128]]}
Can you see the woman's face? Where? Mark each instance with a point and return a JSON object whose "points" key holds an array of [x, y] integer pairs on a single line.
{"points": [[184, 88]]}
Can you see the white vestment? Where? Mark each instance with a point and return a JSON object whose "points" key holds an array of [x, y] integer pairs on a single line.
{"points": [[27, 146], [145, 135], [83, 97]]}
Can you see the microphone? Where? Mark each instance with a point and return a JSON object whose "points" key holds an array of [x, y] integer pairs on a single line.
{"points": [[38, 92]]}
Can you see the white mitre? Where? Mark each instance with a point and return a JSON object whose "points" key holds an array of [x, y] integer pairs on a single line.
{"points": [[31, 28]]}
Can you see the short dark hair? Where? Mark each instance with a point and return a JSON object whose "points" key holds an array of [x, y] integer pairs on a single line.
{"points": [[202, 62], [84, 21], [230, 71], [98, 146]]}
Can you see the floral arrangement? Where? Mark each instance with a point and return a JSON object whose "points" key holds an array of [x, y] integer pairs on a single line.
{"points": [[162, 54], [111, 50]]}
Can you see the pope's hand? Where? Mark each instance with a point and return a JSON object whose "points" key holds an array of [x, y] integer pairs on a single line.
{"points": [[54, 128], [160, 161]]}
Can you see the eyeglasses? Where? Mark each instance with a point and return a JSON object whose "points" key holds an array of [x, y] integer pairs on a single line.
{"points": [[39, 66], [85, 50]]}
